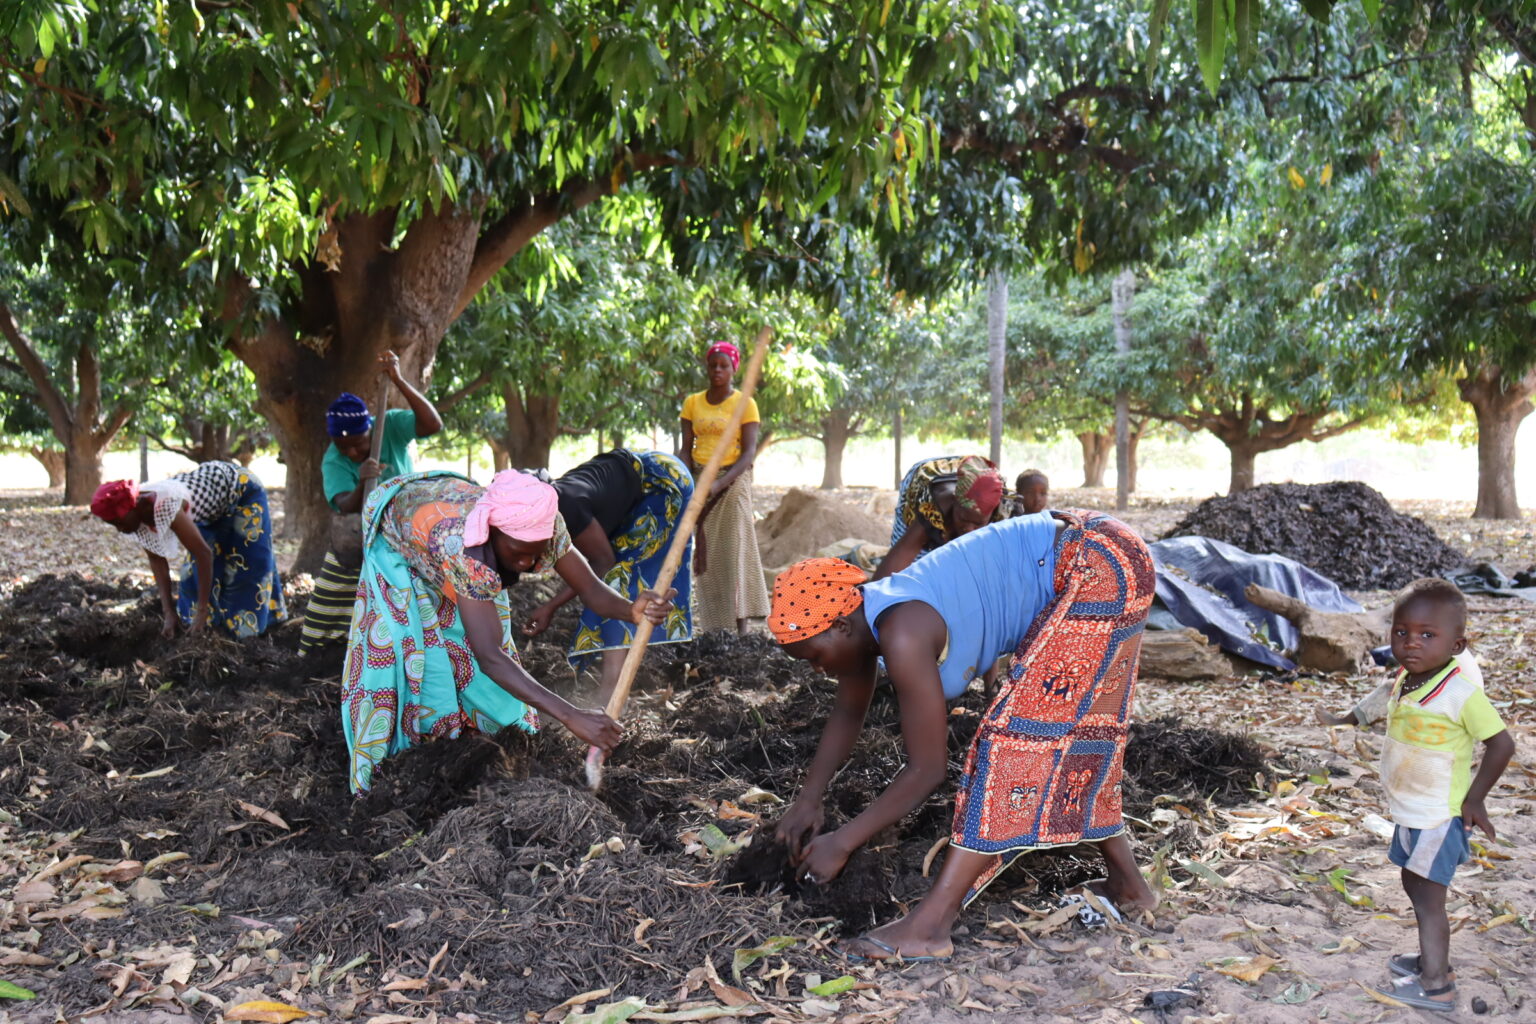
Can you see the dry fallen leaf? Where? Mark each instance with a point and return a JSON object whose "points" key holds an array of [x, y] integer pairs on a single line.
{"points": [[583, 997], [34, 892], [262, 814], [156, 863], [933, 851], [1249, 971], [147, 890], [122, 871], [267, 1012], [61, 867], [641, 929]]}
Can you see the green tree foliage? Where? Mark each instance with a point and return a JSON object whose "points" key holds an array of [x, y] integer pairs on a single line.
{"points": [[77, 362], [1440, 249], [351, 176], [592, 335]]}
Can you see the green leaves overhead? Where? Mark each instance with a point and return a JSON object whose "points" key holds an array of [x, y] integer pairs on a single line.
{"points": [[1216, 22], [1211, 39], [364, 106]]}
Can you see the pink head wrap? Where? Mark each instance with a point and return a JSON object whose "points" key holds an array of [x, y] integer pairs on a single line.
{"points": [[731, 351], [519, 505]]}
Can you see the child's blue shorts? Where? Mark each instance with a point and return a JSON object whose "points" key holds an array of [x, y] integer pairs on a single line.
{"points": [[1432, 853]]}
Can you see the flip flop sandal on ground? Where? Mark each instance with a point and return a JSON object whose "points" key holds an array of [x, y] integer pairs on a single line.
{"points": [[1410, 992], [1088, 914], [892, 955], [1406, 965]]}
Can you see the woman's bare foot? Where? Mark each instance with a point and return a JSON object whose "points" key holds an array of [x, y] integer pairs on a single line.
{"points": [[908, 941], [1125, 899]]}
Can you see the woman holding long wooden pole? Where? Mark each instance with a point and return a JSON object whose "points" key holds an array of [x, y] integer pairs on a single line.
{"points": [[430, 652]]}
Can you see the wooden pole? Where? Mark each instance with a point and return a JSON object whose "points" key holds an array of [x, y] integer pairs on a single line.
{"points": [[1121, 292], [674, 559], [376, 442], [997, 351]]}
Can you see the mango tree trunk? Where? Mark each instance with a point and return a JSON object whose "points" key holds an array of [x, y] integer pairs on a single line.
{"points": [[1501, 404], [834, 442], [1096, 448], [53, 461]]}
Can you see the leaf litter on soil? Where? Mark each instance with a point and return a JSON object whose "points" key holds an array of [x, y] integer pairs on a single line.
{"points": [[223, 764]]}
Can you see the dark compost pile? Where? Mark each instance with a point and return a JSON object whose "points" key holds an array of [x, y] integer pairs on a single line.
{"points": [[232, 753], [1344, 530]]}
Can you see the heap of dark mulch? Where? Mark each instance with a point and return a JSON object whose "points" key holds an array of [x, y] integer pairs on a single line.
{"points": [[1345, 530], [491, 844], [1166, 758]]}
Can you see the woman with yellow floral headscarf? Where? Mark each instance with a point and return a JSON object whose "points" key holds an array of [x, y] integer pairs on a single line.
{"points": [[941, 499]]}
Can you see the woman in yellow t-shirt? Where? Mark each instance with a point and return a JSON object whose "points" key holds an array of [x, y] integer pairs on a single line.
{"points": [[728, 572]]}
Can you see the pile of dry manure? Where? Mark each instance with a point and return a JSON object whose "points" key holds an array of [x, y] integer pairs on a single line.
{"points": [[1344, 530]]}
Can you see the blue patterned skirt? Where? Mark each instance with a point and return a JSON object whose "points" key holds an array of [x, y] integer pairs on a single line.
{"points": [[247, 594], [640, 547]]}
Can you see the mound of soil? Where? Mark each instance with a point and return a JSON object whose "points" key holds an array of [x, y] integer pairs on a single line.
{"points": [[232, 753], [1345, 530], [806, 521]]}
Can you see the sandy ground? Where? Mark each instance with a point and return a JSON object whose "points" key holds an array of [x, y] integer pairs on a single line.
{"points": [[1291, 907]]}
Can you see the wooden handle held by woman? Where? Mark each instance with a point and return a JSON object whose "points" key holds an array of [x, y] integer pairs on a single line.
{"points": [[376, 442], [674, 559]]}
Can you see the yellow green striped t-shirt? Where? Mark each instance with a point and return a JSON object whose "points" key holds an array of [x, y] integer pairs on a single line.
{"points": [[1432, 735]]}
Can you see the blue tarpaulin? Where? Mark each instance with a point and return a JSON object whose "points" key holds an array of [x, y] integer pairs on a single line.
{"points": [[1201, 582]]}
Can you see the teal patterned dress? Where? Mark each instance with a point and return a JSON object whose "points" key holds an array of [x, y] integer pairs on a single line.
{"points": [[640, 546], [410, 674]]}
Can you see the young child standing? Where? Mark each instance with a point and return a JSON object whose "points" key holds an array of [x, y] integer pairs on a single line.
{"points": [[1436, 715]]}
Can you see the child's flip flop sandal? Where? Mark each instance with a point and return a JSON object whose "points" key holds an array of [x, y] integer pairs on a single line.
{"points": [[1406, 965], [1411, 992], [893, 955]]}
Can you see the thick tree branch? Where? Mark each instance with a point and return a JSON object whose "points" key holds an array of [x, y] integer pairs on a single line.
{"points": [[115, 422], [453, 398], [514, 229], [87, 387], [37, 372], [38, 81]]}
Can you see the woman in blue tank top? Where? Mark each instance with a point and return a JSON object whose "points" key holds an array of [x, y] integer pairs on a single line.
{"points": [[1068, 593]]}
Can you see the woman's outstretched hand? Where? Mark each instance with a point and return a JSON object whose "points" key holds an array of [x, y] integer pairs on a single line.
{"points": [[824, 858], [595, 729], [651, 605], [800, 824], [539, 621]]}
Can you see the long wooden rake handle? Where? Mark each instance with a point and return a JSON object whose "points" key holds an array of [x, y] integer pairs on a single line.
{"points": [[376, 442], [674, 559]]}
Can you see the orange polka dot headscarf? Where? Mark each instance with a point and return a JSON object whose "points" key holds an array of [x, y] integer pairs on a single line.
{"points": [[809, 595]]}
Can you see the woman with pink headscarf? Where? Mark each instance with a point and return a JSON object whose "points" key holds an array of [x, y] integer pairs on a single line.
{"points": [[430, 651]]}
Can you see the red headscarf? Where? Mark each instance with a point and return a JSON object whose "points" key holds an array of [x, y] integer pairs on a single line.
{"points": [[114, 499], [809, 595], [978, 485], [731, 351]]}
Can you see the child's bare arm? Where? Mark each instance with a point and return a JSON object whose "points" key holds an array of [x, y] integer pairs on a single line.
{"points": [[1372, 708], [1497, 751]]}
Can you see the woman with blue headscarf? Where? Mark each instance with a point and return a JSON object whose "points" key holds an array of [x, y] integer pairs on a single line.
{"points": [[344, 473]]}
